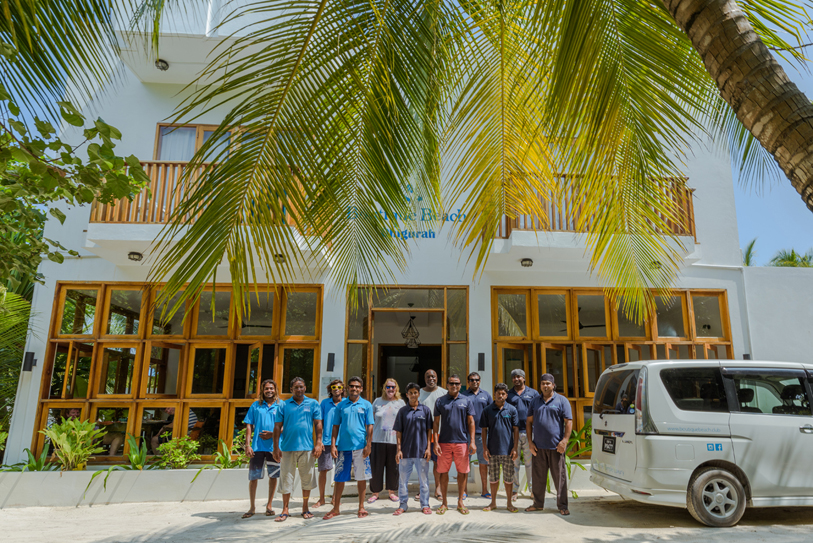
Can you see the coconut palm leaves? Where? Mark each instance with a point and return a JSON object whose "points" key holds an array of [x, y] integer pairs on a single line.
{"points": [[14, 328], [791, 259]]}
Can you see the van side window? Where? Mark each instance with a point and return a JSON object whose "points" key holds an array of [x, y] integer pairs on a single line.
{"points": [[615, 393], [771, 393], [696, 389]]}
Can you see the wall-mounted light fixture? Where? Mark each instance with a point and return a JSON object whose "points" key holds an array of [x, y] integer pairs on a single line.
{"points": [[29, 361], [162, 65], [526, 262], [134, 256], [331, 361], [279, 258], [481, 361]]}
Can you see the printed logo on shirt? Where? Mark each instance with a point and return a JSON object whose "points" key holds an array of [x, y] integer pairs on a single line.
{"points": [[361, 410], [307, 410], [506, 415]]}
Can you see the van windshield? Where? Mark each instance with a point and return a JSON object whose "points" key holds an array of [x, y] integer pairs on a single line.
{"points": [[615, 393]]}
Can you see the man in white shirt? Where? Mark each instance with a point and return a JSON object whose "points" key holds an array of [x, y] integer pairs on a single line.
{"points": [[429, 395]]}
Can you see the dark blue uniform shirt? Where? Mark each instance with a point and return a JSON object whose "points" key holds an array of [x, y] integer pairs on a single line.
{"points": [[480, 401], [500, 424], [414, 425], [454, 413], [522, 402]]}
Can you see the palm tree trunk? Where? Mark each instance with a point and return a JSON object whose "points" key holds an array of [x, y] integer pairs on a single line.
{"points": [[753, 83]]}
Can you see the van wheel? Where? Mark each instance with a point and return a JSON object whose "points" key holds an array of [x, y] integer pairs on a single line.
{"points": [[716, 498]]}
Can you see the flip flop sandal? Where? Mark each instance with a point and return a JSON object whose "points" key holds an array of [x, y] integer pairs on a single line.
{"points": [[330, 515], [487, 495], [398, 512], [247, 515], [426, 511], [372, 499], [488, 508], [363, 513], [532, 509], [269, 513], [282, 518], [393, 498], [513, 510], [564, 512], [441, 510], [463, 510], [307, 515]]}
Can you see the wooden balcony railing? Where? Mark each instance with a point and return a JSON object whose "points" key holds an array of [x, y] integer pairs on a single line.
{"points": [[564, 214]]}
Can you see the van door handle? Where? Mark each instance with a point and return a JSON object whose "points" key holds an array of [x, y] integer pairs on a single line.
{"points": [[806, 429]]}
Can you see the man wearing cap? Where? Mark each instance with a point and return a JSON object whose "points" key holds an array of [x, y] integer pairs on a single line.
{"points": [[549, 424], [521, 397]]}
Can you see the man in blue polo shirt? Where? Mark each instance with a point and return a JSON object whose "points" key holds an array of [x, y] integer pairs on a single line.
{"points": [[454, 417], [297, 419], [480, 399], [500, 425], [350, 445], [335, 390], [260, 421], [521, 397], [549, 424], [413, 433]]}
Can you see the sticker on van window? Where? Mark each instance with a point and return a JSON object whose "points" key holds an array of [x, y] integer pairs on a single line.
{"points": [[714, 447]]}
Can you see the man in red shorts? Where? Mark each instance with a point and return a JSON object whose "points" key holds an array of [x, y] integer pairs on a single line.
{"points": [[454, 417]]}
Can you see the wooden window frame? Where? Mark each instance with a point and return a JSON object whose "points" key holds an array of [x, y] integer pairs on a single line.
{"points": [[141, 406], [585, 385], [616, 328], [318, 290], [535, 293], [70, 368], [108, 292], [190, 368], [725, 322], [280, 363], [233, 406], [150, 313], [274, 333], [199, 130], [561, 388], [145, 368], [608, 318], [529, 316], [251, 345], [187, 406], [42, 419], [63, 289], [94, 415], [499, 367], [230, 326], [96, 370], [687, 334]]}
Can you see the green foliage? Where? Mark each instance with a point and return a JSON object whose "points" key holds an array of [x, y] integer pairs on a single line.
{"points": [[74, 441], [137, 456], [579, 444], [40, 174], [749, 256], [792, 259], [224, 458], [177, 453], [14, 329], [34, 463], [3, 438]]}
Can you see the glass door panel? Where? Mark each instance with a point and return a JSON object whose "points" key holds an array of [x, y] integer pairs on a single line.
{"points": [[553, 362], [511, 356], [594, 361]]}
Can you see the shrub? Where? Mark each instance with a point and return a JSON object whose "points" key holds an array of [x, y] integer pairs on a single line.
{"points": [[177, 453], [75, 442]]}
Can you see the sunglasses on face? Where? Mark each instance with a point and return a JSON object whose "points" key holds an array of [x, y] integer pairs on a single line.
{"points": [[453, 384], [354, 386], [389, 387], [336, 387], [474, 380]]}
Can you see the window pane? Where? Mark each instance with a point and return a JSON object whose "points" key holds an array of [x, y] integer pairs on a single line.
{"points": [[114, 421], [246, 371], [58, 372], [75, 370], [716, 352], [552, 315], [162, 375], [221, 145], [512, 359], [402, 297], [298, 363], [125, 312], [636, 353], [156, 422], [359, 317], [117, 370], [615, 393], [55, 416], [261, 320], [555, 365], [627, 327], [456, 314], [79, 311], [239, 416], [512, 316], [208, 371], [203, 426], [214, 322], [591, 317], [594, 366], [680, 352], [177, 143], [173, 326], [458, 361], [707, 319], [775, 394], [669, 311], [696, 389], [300, 313], [357, 362]]}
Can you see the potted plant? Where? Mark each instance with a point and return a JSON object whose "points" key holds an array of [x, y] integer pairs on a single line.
{"points": [[75, 442]]}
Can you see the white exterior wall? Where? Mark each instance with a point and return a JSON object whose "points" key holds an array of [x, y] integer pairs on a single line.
{"points": [[773, 299]]}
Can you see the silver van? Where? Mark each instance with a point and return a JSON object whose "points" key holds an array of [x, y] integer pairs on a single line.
{"points": [[711, 436]]}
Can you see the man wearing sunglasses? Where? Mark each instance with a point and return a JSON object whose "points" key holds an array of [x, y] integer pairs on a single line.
{"points": [[480, 399], [336, 394], [429, 395], [454, 441]]}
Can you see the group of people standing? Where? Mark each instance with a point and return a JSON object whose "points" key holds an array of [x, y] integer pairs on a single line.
{"points": [[385, 441]]}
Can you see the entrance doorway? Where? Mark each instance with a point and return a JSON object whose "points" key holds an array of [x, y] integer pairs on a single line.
{"points": [[407, 365]]}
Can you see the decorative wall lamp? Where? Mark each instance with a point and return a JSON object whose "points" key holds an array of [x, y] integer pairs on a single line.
{"points": [[526, 262]]}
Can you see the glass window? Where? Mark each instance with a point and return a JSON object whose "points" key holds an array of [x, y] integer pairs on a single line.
{"points": [[240, 413], [717, 352], [298, 363], [420, 298], [203, 426], [356, 361], [114, 421], [124, 317], [58, 368], [552, 315], [512, 359], [637, 353], [555, 365], [167, 326], [779, 393], [597, 357], [696, 389], [628, 326], [707, 319], [669, 312], [79, 311], [358, 317], [512, 316], [591, 319], [246, 371], [220, 146], [71, 371], [156, 426], [55, 416], [616, 392], [300, 313], [458, 361], [680, 352], [260, 321], [176, 143], [213, 321], [117, 366], [163, 370], [208, 370], [456, 315]]}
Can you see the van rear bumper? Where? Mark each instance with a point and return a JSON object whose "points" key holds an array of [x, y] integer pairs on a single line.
{"points": [[671, 498]]}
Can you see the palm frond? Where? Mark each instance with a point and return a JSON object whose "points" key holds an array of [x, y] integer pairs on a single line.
{"points": [[750, 254], [15, 312]]}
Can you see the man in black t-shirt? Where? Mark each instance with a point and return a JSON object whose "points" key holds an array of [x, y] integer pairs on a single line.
{"points": [[500, 425], [413, 431]]}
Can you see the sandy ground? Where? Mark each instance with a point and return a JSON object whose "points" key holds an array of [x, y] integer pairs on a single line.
{"points": [[596, 517]]}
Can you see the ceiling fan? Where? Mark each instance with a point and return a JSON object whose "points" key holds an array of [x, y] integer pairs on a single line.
{"points": [[582, 326]]}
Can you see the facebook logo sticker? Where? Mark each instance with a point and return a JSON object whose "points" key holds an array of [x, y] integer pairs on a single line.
{"points": [[714, 447]]}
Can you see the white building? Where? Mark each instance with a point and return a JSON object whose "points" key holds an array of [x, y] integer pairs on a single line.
{"points": [[101, 350]]}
